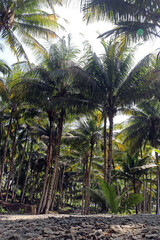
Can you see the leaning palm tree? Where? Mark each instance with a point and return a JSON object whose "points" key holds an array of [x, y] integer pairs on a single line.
{"points": [[134, 19], [117, 83], [23, 21]]}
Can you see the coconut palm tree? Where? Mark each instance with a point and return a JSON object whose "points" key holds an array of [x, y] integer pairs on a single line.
{"points": [[53, 87], [86, 135], [117, 84], [134, 19], [24, 21], [143, 128]]}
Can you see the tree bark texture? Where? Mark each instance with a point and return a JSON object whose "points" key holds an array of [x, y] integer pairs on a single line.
{"points": [[48, 158], [5, 152], [56, 162], [110, 148], [105, 149], [27, 171]]}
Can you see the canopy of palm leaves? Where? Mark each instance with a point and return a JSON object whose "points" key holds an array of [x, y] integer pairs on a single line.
{"points": [[135, 19], [143, 127], [24, 21]]}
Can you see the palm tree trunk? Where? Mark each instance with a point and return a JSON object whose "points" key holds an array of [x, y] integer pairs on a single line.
{"points": [[144, 195], [83, 187], [27, 171], [47, 190], [34, 185], [86, 183], [48, 157], [158, 175], [55, 190], [61, 179], [135, 190], [110, 148], [11, 172], [20, 167], [4, 153], [87, 198], [158, 187], [150, 193], [60, 128], [105, 149], [49, 176]]}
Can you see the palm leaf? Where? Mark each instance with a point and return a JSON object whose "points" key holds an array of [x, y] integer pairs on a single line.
{"points": [[128, 203], [110, 196]]}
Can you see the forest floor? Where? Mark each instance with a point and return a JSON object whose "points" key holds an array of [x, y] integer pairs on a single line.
{"points": [[76, 227]]}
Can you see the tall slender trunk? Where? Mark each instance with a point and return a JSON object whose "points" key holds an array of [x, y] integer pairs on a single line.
{"points": [[48, 158], [150, 193], [83, 187], [49, 176], [105, 149], [20, 167], [135, 190], [158, 172], [144, 195], [110, 148], [34, 185], [55, 190], [158, 188], [5, 152], [56, 162], [11, 172], [27, 171], [0, 143], [47, 190], [87, 199], [61, 179], [86, 185]]}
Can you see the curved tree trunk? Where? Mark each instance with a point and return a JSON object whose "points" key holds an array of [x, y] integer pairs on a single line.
{"points": [[110, 148]]}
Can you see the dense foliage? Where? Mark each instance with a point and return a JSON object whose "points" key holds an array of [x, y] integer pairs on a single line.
{"points": [[59, 147]]}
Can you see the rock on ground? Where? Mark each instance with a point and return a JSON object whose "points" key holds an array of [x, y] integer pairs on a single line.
{"points": [[76, 227]]}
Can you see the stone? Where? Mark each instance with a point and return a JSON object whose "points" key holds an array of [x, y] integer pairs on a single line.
{"points": [[145, 230], [92, 227], [13, 238]]}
